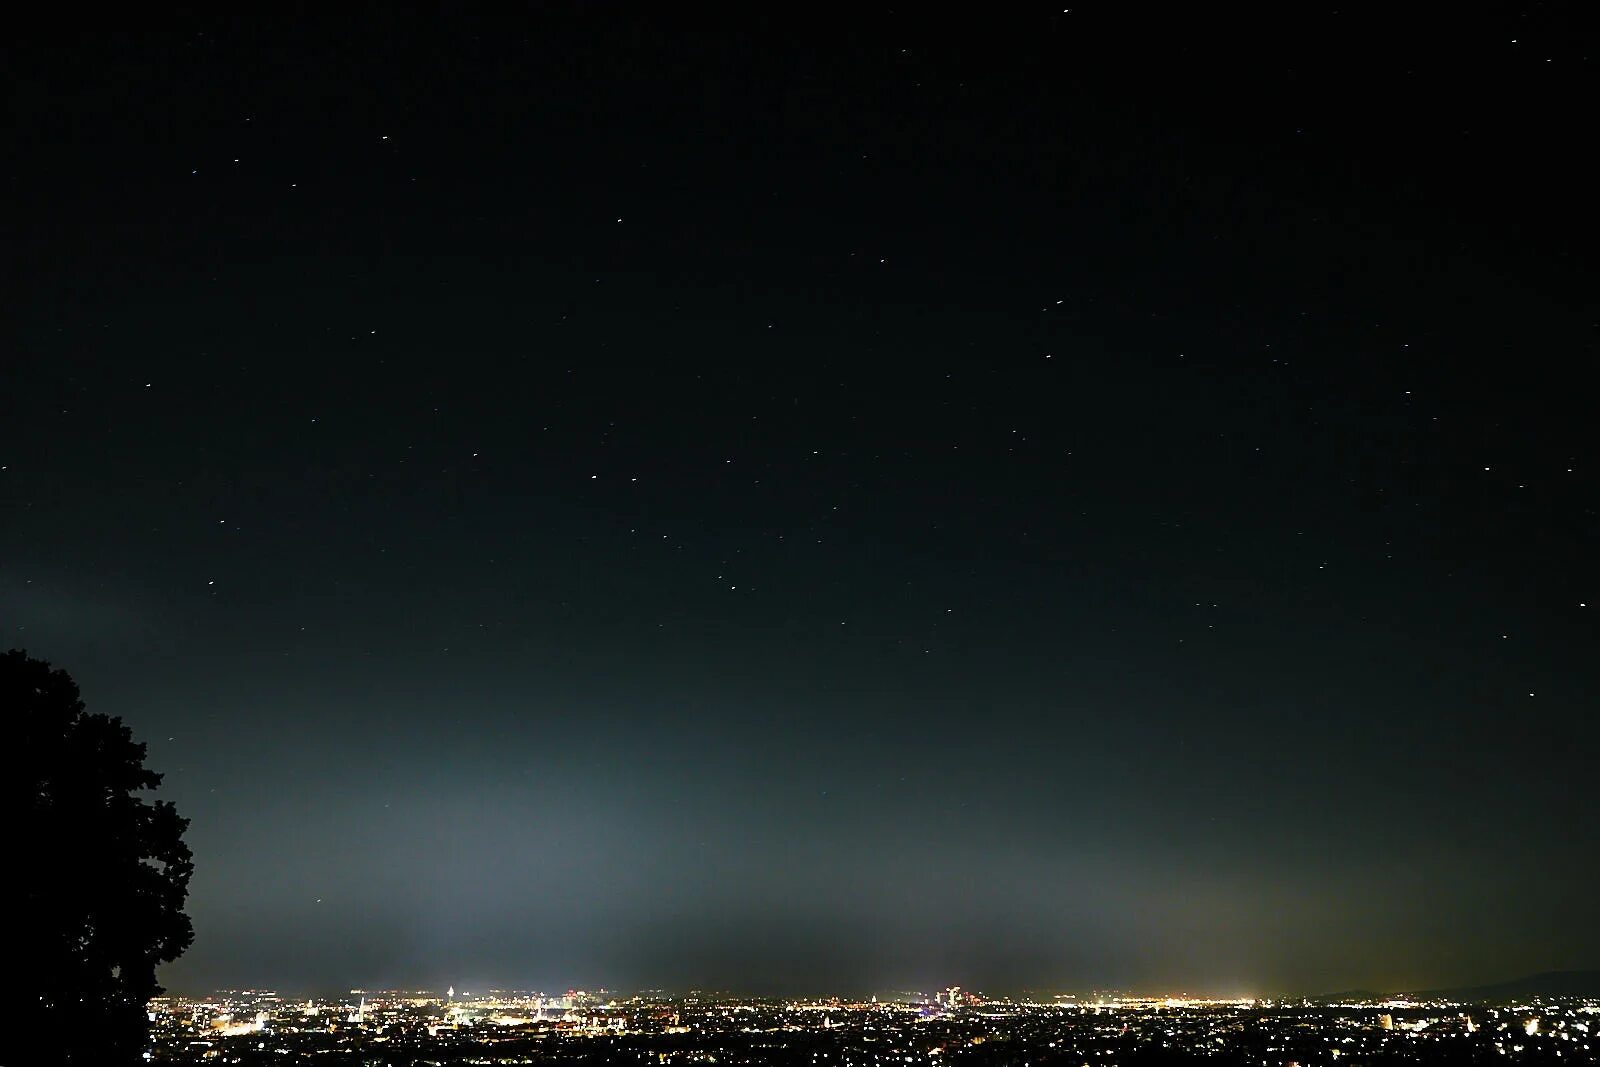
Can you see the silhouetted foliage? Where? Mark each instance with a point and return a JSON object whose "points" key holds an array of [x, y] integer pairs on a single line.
{"points": [[103, 871]]}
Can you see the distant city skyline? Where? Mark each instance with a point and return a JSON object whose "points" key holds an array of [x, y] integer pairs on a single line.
{"points": [[1549, 983], [946, 1026]]}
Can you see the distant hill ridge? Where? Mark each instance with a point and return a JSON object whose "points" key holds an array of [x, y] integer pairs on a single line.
{"points": [[1546, 984]]}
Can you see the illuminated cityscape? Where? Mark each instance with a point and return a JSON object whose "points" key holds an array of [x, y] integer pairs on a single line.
{"points": [[951, 1025]]}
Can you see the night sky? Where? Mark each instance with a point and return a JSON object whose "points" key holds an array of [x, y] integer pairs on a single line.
{"points": [[1044, 500]]}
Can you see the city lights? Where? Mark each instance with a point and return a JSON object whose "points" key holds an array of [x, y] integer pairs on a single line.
{"points": [[950, 1025]]}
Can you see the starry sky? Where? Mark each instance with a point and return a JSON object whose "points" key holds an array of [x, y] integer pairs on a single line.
{"points": [[1058, 499]]}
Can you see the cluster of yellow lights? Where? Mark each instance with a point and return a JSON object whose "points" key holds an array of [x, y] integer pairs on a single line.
{"points": [[1146, 1003]]}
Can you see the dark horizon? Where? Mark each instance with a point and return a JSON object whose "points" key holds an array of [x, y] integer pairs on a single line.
{"points": [[1067, 497]]}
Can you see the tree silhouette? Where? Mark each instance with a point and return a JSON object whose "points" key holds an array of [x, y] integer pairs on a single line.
{"points": [[104, 872]]}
